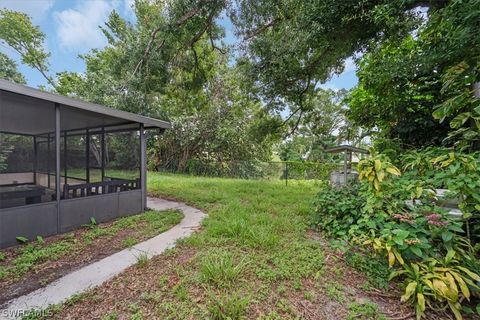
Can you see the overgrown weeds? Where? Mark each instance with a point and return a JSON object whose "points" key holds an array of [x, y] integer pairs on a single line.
{"points": [[221, 268], [29, 256]]}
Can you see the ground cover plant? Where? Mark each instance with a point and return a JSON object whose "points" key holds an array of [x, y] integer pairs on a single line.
{"points": [[40, 261], [399, 216], [253, 258]]}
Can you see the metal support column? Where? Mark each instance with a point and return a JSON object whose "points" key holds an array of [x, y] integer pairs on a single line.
{"points": [[35, 159], [143, 166], [65, 156], [87, 156], [57, 162], [103, 143], [48, 161]]}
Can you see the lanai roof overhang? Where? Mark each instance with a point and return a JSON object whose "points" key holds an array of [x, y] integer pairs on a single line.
{"points": [[28, 111], [66, 180]]}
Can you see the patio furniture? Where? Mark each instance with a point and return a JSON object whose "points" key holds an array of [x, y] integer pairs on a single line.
{"points": [[88, 189], [31, 193]]}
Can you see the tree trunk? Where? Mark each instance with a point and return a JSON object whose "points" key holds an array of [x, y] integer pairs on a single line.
{"points": [[182, 164]]}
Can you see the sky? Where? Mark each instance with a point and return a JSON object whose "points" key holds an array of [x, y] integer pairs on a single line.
{"points": [[72, 28]]}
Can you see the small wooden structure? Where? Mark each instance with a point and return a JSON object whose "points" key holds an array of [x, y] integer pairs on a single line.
{"points": [[347, 163]]}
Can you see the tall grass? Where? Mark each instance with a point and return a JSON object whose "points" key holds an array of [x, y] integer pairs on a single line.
{"points": [[255, 232], [252, 243], [221, 268]]}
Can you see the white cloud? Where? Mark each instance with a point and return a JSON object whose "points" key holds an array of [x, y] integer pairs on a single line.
{"points": [[36, 9], [78, 28], [329, 85], [350, 65]]}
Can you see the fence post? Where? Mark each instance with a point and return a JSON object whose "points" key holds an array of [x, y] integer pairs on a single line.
{"points": [[286, 173]]}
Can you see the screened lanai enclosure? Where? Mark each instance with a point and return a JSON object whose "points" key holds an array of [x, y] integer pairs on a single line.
{"points": [[64, 161]]}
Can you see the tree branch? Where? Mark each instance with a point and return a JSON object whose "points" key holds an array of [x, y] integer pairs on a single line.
{"points": [[146, 52], [256, 32], [200, 33], [290, 117], [180, 22], [295, 127], [300, 108], [36, 63], [214, 46]]}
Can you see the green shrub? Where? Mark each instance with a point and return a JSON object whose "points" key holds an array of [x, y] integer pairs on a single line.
{"points": [[438, 284], [337, 210], [454, 170], [419, 234], [424, 245], [375, 268]]}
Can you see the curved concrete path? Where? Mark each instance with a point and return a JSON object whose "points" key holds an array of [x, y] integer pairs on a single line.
{"points": [[98, 272]]}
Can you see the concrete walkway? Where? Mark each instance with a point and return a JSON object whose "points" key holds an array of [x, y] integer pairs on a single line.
{"points": [[98, 272]]}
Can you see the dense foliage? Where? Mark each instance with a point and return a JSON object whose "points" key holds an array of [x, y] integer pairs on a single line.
{"points": [[179, 72], [402, 216], [8, 70], [421, 90], [293, 45], [234, 108], [171, 61]]}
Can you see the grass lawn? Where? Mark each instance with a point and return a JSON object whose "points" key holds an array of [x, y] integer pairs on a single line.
{"points": [[254, 258], [27, 267], [96, 174]]}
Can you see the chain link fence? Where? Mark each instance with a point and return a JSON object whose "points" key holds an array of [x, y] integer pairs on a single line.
{"points": [[272, 170]]}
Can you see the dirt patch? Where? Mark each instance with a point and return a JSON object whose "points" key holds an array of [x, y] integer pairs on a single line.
{"points": [[153, 289], [133, 289], [313, 300], [76, 249]]}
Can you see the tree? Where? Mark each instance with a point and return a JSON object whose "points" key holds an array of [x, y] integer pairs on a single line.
{"points": [[420, 90], [323, 125], [396, 95], [187, 79], [291, 46], [222, 124], [8, 70], [453, 46], [17, 30], [171, 61]]}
